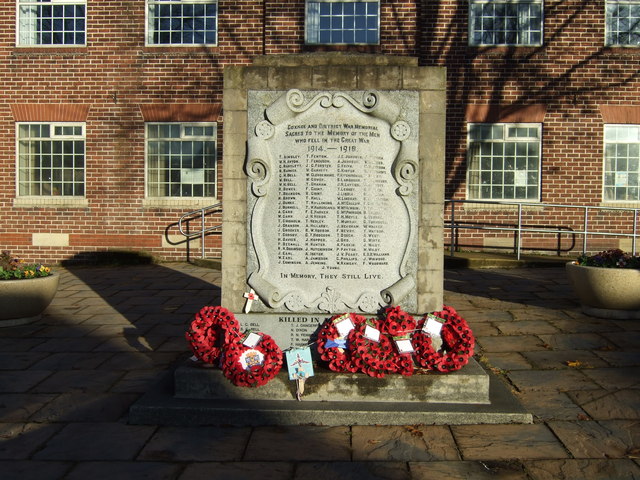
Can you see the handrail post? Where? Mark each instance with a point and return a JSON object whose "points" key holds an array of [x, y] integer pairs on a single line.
{"points": [[519, 238], [453, 221], [635, 231], [586, 229], [202, 232]]}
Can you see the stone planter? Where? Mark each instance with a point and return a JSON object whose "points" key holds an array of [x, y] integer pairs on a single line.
{"points": [[606, 292], [23, 301]]}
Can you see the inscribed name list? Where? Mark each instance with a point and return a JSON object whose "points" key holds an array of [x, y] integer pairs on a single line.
{"points": [[329, 229]]}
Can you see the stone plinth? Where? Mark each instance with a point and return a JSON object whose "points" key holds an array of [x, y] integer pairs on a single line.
{"points": [[470, 385]]}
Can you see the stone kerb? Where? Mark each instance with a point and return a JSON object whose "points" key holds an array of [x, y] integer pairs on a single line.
{"points": [[332, 73]]}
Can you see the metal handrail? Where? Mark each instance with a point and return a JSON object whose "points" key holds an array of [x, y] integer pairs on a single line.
{"points": [[203, 231], [520, 229]]}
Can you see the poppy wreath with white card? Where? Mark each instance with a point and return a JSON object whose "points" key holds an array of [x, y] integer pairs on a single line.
{"points": [[457, 343], [210, 330], [373, 351], [251, 366], [335, 341]]}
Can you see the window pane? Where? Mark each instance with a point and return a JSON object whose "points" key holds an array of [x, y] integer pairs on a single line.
{"points": [[183, 163], [57, 24], [342, 22], [505, 22], [621, 162], [509, 160], [622, 22], [50, 165], [175, 22]]}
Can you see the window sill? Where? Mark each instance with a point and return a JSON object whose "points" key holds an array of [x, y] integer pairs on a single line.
{"points": [[620, 204], [179, 202], [50, 202], [33, 50], [499, 207]]}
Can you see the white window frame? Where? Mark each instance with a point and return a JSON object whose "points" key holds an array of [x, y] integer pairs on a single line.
{"points": [[518, 30], [522, 177], [29, 170], [615, 178], [312, 23], [609, 39], [149, 185], [22, 22], [149, 20]]}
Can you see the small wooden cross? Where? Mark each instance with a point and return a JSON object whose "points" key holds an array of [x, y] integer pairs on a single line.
{"points": [[250, 296]]}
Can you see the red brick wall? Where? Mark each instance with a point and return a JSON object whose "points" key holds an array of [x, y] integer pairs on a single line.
{"points": [[572, 74]]}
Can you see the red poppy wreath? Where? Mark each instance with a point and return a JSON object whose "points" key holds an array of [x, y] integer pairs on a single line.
{"points": [[457, 339], [375, 357], [251, 366], [334, 347], [210, 330]]}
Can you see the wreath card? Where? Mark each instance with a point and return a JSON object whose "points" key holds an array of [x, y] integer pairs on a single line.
{"points": [[299, 363]]}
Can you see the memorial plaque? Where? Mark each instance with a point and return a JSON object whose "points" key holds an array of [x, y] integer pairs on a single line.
{"points": [[332, 200]]}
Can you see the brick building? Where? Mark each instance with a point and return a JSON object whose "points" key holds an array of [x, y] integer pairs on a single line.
{"points": [[111, 116]]}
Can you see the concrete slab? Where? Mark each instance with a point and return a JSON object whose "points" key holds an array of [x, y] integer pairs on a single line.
{"points": [[159, 407], [467, 385]]}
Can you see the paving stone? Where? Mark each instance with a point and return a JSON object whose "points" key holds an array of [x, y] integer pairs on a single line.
{"points": [[554, 359], [304, 443], [629, 325], [239, 471], [475, 315], [30, 470], [21, 381], [504, 442], [603, 439], [507, 361], [483, 329], [67, 331], [353, 471], [467, 470], [615, 378], [576, 341], [550, 405], [64, 345], [620, 359], [18, 407], [124, 470], [625, 340], [511, 343], [78, 381], [96, 441], [69, 361], [20, 440], [559, 380], [84, 407], [532, 314], [9, 344], [406, 443], [203, 444], [138, 381], [583, 324], [533, 327], [19, 360], [608, 405], [591, 469]]}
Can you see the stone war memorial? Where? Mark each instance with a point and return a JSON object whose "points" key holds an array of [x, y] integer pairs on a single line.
{"points": [[333, 198], [333, 190]]}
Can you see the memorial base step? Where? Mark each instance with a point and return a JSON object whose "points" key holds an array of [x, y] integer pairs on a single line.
{"points": [[166, 404], [467, 385]]}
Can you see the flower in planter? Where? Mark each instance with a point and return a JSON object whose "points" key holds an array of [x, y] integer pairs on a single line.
{"points": [[613, 258], [12, 268]]}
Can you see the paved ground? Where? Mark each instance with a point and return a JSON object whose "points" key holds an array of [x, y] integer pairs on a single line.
{"points": [[66, 384]]}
